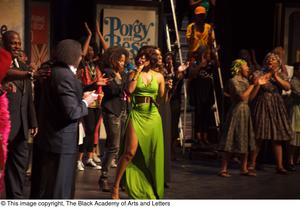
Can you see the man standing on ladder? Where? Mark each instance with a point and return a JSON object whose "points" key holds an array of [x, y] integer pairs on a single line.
{"points": [[200, 35]]}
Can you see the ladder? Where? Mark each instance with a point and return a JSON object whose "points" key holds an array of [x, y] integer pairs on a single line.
{"points": [[182, 121], [216, 109]]}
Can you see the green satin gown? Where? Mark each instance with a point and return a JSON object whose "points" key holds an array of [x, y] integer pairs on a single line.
{"points": [[144, 176]]}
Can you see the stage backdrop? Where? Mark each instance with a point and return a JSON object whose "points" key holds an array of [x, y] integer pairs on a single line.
{"points": [[40, 32], [292, 32], [12, 16], [128, 26]]}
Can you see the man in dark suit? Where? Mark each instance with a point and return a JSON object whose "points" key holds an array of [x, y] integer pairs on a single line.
{"points": [[23, 119], [60, 105]]}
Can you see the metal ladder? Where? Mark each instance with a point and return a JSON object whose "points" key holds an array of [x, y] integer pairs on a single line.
{"points": [[182, 121]]}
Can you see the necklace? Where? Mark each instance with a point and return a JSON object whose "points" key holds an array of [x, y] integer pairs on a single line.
{"points": [[147, 79]]}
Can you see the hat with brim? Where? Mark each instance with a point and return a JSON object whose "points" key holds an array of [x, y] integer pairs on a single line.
{"points": [[200, 10]]}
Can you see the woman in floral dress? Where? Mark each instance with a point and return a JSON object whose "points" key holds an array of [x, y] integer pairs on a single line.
{"points": [[238, 135], [270, 115]]}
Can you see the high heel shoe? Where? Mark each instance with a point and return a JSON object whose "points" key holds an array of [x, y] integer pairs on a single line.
{"points": [[115, 195]]}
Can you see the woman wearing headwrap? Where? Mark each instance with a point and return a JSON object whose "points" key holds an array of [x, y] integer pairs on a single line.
{"points": [[238, 135], [270, 115]]}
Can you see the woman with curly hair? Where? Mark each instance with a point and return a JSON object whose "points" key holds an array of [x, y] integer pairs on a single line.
{"points": [[238, 135], [270, 115], [114, 107], [143, 154]]}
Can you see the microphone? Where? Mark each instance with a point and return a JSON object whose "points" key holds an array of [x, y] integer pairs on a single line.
{"points": [[16, 63], [129, 67]]}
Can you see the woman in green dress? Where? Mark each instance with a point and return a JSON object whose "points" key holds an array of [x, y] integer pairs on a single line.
{"points": [[143, 152]]}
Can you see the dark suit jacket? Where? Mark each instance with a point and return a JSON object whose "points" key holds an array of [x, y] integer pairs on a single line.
{"points": [[21, 108], [113, 100], [59, 109]]}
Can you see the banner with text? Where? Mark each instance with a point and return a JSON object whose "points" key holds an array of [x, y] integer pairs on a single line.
{"points": [[130, 28]]}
